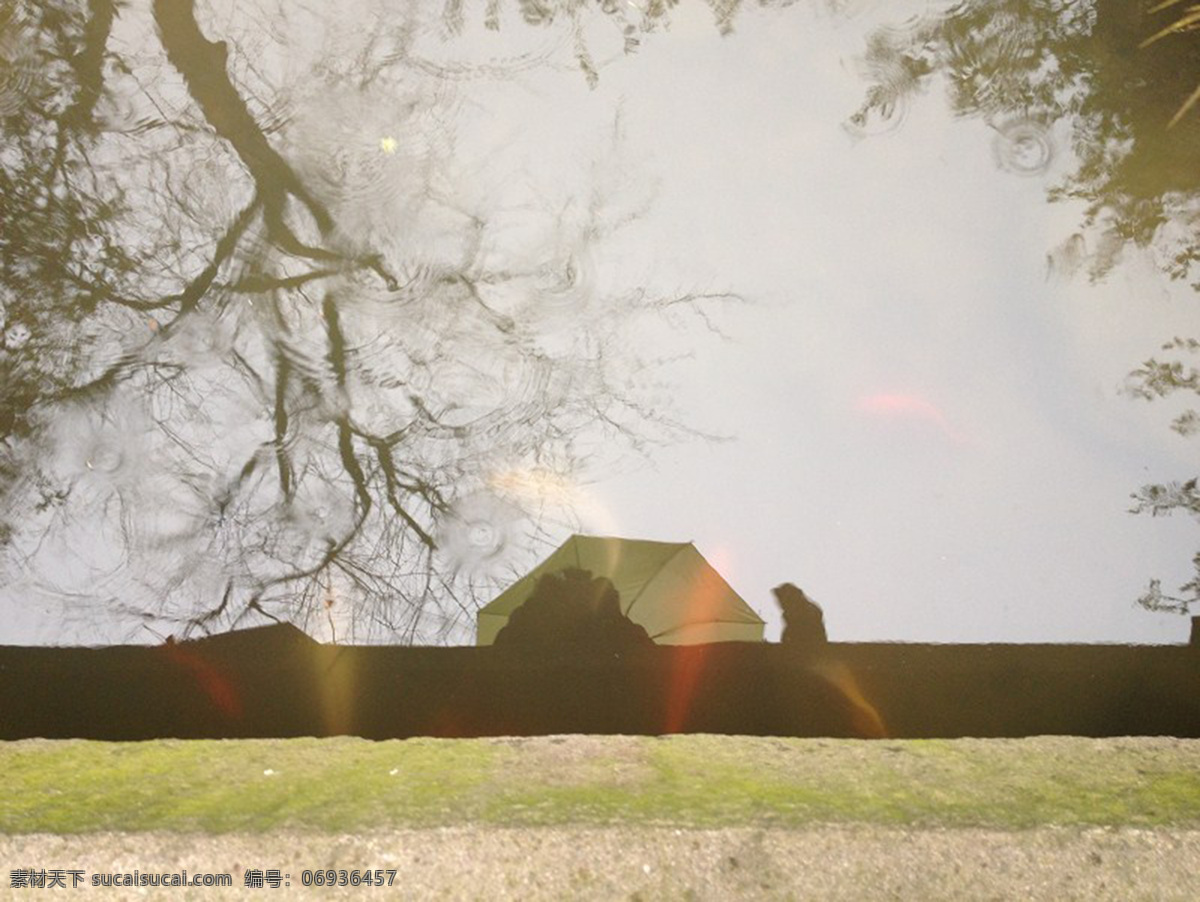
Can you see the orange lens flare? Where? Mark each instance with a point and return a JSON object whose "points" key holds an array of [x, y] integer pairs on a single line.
{"points": [[865, 718], [212, 683], [687, 666], [910, 407], [689, 663]]}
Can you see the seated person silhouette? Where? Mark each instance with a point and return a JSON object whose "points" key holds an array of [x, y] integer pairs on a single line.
{"points": [[803, 621], [569, 613]]}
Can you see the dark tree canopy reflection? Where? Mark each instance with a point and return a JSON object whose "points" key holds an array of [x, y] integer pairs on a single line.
{"points": [[1036, 70], [264, 354], [1022, 67]]}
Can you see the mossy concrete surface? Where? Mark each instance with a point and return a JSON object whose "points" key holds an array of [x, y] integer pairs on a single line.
{"points": [[343, 786]]}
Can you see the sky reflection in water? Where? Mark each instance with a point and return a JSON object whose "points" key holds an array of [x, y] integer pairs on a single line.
{"points": [[349, 318]]}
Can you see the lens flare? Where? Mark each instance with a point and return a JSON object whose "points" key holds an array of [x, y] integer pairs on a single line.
{"points": [[338, 687], [901, 406], [689, 663], [865, 719], [555, 494], [212, 683]]}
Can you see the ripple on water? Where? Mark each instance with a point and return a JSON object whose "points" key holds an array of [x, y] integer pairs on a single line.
{"points": [[879, 116], [316, 517], [1023, 146], [564, 293], [889, 9], [101, 451], [18, 63], [212, 188], [895, 77], [539, 269], [852, 9], [497, 391], [106, 456], [470, 366], [469, 49], [478, 534], [369, 154], [201, 342], [994, 66]]}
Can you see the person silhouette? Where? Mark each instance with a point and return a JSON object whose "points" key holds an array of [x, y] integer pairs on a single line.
{"points": [[803, 620], [569, 613]]}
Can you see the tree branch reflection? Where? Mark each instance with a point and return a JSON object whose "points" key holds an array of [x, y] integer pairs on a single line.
{"points": [[263, 366]]}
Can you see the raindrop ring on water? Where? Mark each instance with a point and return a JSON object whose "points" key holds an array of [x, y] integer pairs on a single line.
{"points": [[484, 537], [18, 68], [879, 117], [479, 532], [106, 459], [1023, 147]]}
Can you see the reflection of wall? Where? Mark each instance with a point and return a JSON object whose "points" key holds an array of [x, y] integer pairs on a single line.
{"points": [[277, 682], [1023, 690]]}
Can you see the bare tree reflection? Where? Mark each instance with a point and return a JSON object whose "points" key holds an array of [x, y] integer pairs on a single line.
{"points": [[264, 356]]}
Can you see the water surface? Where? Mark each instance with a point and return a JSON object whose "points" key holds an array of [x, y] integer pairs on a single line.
{"points": [[348, 317]]}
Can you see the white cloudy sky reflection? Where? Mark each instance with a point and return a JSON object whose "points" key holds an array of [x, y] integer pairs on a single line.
{"points": [[926, 427], [928, 431]]}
